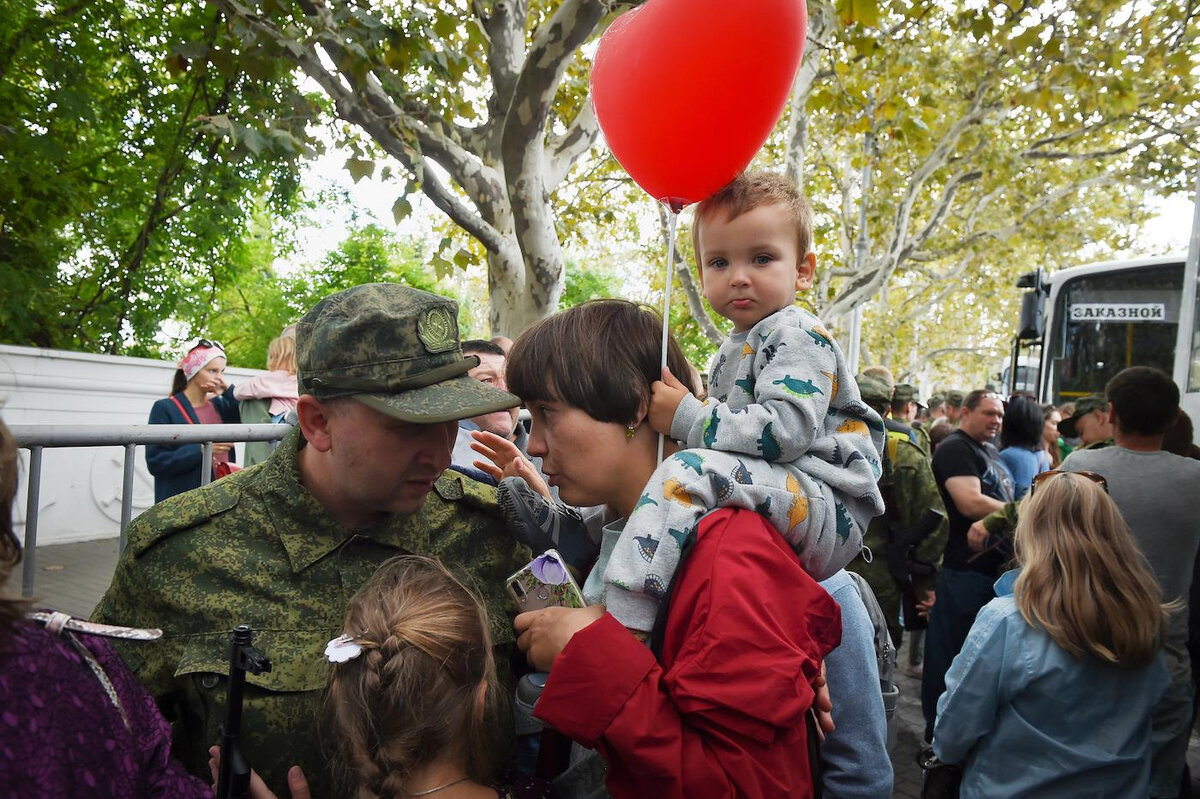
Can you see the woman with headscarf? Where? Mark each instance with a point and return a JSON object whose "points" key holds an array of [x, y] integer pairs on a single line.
{"points": [[199, 395]]}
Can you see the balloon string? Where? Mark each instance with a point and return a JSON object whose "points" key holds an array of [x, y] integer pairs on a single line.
{"points": [[672, 220]]}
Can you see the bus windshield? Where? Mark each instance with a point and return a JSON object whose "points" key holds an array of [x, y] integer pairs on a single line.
{"points": [[1105, 322]]}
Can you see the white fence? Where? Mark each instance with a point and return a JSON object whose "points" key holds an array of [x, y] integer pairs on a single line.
{"points": [[80, 496]]}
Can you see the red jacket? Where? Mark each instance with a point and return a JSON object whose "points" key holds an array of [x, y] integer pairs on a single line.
{"points": [[723, 715]]}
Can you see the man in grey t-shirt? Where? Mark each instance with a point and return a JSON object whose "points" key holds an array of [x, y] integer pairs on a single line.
{"points": [[1156, 494]]}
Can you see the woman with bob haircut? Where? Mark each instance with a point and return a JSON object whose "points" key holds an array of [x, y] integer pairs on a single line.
{"points": [[1052, 691], [1022, 448], [716, 706]]}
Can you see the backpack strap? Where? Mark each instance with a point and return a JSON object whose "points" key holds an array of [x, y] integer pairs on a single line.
{"points": [[885, 650]]}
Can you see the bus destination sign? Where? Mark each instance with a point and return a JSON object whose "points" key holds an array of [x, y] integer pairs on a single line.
{"points": [[1118, 312]]}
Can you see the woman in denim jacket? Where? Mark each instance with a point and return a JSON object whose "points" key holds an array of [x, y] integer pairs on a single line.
{"points": [[1052, 691]]}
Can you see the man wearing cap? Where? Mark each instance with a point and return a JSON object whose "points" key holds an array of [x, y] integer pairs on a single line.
{"points": [[282, 547], [954, 402], [905, 404], [916, 536], [937, 406], [1089, 423]]}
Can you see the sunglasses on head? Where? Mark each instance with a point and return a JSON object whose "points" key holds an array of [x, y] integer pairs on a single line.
{"points": [[206, 343], [1044, 476]]}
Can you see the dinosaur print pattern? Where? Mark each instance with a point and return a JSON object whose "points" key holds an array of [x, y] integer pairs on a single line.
{"points": [[710, 428], [768, 445], [833, 385], [647, 545], [673, 490], [844, 523], [854, 426], [798, 511], [691, 460], [821, 339], [801, 388], [771, 350], [783, 433], [717, 370], [644, 499]]}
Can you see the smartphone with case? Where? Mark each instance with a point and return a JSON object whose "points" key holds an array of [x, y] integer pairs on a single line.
{"points": [[545, 582]]}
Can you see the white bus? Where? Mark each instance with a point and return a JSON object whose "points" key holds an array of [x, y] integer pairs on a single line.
{"points": [[1083, 325]]}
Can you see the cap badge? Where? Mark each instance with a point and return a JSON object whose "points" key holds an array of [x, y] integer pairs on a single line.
{"points": [[437, 329]]}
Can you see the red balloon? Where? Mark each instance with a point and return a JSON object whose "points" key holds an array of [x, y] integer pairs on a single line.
{"points": [[687, 91]]}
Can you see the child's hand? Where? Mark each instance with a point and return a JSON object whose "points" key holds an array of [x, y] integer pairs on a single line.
{"points": [[665, 396], [504, 459]]}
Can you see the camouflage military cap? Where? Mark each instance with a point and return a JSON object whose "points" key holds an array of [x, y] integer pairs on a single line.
{"points": [[1083, 406], [395, 349], [955, 398], [936, 399], [906, 392], [874, 388]]}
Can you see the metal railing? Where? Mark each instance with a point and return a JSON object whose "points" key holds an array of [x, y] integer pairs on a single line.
{"points": [[36, 437]]}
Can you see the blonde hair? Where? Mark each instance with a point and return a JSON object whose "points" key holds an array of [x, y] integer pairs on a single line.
{"points": [[750, 190], [1083, 580], [414, 694], [281, 354]]}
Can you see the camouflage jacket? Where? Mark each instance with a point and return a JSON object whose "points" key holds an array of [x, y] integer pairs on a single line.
{"points": [[256, 548], [915, 491]]}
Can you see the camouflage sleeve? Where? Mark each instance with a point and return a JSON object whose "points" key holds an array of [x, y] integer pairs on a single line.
{"points": [[1002, 521], [914, 479]]}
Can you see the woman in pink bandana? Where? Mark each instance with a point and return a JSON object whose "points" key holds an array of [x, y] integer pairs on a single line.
{"points": [[199, 395]]}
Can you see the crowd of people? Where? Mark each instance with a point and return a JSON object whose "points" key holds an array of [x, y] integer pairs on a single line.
{"points": [[743, 589]]}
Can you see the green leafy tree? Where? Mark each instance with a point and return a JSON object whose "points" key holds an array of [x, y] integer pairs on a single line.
{"points": [[256, 304], [122, 182], [481, 104]]}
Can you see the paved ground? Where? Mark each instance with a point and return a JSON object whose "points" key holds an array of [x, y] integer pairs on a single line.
{"points": [[72, 578]]}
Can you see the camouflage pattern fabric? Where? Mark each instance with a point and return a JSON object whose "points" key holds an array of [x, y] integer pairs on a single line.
{"points": [[257, 548], [916, 492], [393, 348], [923, 439]]}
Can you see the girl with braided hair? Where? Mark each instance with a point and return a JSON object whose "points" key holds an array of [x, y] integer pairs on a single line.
{"points": [[411, 708], [410, 713]]}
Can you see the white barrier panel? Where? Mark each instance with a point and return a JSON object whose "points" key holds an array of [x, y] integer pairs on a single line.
{"points": [[80, 496]]}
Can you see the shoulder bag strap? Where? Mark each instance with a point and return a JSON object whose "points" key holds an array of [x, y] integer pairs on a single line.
{"points": [[179, 405]]}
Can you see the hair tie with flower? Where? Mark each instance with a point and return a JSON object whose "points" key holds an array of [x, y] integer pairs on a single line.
{"points": [[342, 649]]}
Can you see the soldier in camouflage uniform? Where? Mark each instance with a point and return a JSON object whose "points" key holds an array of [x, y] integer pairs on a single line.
{"points": [[915, 492], [954, 401], [905, 404], [283, 546]]}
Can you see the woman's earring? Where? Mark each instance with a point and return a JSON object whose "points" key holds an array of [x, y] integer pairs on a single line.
{"points": [[630, 432]]}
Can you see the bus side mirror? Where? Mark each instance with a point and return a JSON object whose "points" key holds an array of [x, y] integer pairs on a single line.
{"points": [[1030, 325]]}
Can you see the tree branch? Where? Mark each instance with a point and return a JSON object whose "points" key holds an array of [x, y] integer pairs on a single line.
{"points": [[566, 150]]}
